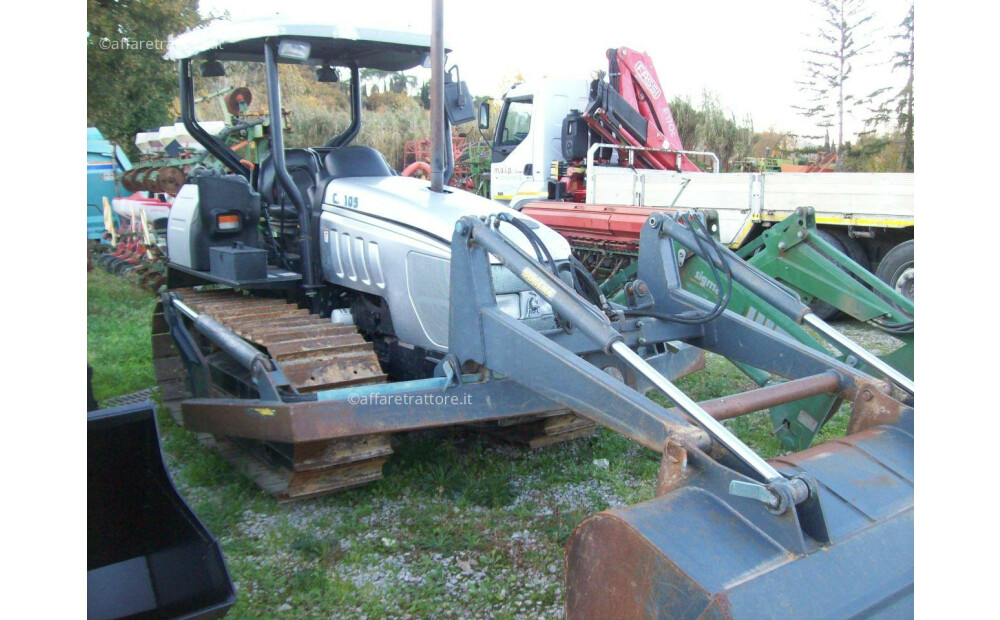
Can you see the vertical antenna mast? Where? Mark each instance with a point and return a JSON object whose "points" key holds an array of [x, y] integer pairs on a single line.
{"points": [[437, 96]]}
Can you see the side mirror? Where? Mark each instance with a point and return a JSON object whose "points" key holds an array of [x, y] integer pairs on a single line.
{"points": [[457, 102], [484, 115]]}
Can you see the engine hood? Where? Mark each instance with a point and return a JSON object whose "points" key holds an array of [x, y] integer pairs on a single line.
{"points": [[411, 203]]}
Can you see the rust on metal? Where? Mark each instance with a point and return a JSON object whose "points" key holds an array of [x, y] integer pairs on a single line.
{"points": [[593, 591], [310, 455], [303, 347], [728, 407], [341, 418], [673, 465], [313, 354], [536, 432], [170, 179], [674, 461], [696, 551], [321, 439], [873, 406], [172, 387], [257, 462]]}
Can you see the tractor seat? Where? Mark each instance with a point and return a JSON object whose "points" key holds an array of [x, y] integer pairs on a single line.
{"points": [[355, 161], [350, 161], [303, 166]]}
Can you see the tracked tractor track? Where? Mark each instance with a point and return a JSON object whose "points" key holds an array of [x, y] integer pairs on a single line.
{"points": [[314, 355]]}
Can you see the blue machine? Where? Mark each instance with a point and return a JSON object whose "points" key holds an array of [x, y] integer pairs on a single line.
{"points": [[104, 163]]}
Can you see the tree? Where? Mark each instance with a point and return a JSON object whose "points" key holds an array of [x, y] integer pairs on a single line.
{"points": [[401, 83], [902, 102], [719, 133], [425, 95], [375, 77], [829, 66], [686, 119], [712, 128], [772, 143], [130, 87], [904, 109]]}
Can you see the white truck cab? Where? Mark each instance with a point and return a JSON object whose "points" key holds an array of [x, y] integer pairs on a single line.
{"points": [[529, 137]]}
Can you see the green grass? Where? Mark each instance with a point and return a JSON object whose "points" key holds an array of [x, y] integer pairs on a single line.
{"points": [[459, 526], [118, 345]]}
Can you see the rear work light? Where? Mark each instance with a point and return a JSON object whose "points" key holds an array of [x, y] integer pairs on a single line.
{"points": [[227, 221]]}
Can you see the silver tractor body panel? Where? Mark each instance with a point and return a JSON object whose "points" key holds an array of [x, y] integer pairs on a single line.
{"points": [[390, 237]]}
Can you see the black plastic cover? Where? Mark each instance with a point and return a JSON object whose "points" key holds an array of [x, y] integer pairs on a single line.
{"points": [[238, 263], [575, 137], [223, 194]]}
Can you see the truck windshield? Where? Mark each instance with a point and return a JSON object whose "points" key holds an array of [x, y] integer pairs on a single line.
{"points": [[516, 123]]}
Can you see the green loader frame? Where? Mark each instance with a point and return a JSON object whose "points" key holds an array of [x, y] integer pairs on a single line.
{"points": [[793, 253]]}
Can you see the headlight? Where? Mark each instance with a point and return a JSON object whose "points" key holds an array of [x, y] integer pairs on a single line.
{"points": [[533, 305], [525, 305]]}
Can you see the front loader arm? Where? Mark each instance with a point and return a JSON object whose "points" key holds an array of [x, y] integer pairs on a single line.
{"points": [[481, 335], [725, 525]]}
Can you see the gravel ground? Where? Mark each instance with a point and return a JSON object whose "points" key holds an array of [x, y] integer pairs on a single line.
{"points": [[874, 340]]}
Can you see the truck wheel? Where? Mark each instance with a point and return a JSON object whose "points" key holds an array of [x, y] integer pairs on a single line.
{"points": [[896, 269], [819, 307], [853, 249]]}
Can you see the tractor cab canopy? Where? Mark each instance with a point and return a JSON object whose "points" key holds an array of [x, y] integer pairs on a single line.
{"points": [[274, 40], [368, 48]]}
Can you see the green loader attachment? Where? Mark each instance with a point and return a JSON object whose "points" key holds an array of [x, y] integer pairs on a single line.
{"points": [[795, 254]]}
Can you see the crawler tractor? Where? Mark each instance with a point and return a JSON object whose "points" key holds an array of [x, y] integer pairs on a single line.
{"points": [[319, 302]]}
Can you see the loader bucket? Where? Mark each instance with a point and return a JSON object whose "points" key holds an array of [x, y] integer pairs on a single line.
{"points": [[148, 556], [690, 554]]}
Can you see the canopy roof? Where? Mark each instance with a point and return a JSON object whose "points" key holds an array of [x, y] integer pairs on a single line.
{"points": [[371, 48]]}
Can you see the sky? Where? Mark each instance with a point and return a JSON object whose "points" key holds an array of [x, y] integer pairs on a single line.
{"points": [[749, 54]]}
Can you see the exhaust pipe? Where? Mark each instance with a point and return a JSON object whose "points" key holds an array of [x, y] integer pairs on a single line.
{"points": [[437, 97]]}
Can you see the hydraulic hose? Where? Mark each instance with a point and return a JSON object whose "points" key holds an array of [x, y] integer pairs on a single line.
{"points": [[707, 247], [564, 300], [589, 290], [760, 284]]}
